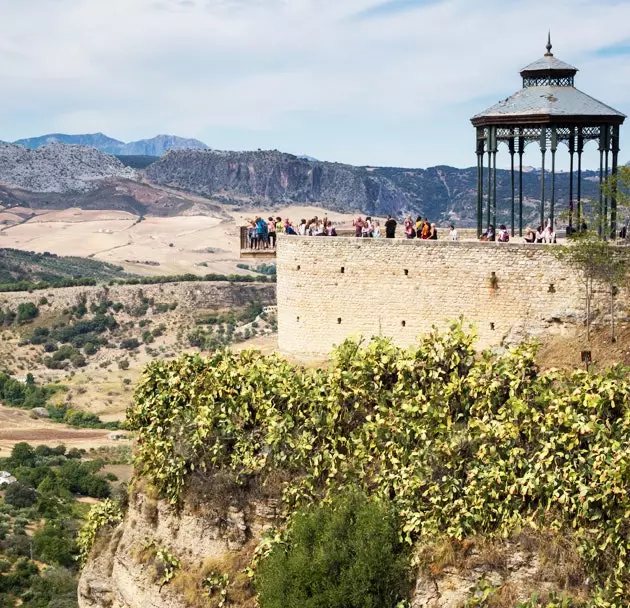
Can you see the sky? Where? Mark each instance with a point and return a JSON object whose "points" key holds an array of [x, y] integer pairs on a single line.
{"points": [[367, 82]]}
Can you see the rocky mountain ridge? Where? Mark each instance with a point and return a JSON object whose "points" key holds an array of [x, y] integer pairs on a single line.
{"points": [[58, 168], [75, 175], [271, 177], [155, 146]]}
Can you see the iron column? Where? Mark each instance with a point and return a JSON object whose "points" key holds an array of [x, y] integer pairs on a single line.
{"points": [[543, 149], [511, 145]]}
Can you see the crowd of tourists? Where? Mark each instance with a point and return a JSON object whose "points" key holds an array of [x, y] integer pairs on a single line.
{"points": [[262, 233]]}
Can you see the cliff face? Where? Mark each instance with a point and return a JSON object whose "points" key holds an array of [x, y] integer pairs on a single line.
{"points": [[276, 177], [442, 193], [124, 570]]}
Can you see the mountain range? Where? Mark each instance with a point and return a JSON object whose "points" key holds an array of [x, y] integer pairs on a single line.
{"points": [[156, 146], [60, 175]]}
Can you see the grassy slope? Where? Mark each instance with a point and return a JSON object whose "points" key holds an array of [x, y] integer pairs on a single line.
{"points": [[16, 266]]}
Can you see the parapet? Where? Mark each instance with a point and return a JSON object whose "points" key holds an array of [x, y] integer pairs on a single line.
{"points": [[331, 288]]}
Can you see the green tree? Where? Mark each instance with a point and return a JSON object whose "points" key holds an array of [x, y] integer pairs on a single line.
{"points": [[22, 454], [27, 311], [344, 555], [54, 544], [597, 262], [20, 495]]}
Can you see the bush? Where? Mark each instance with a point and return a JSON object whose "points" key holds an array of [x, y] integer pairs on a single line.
{"points": [[20, 495], [123, 364], [129, 343], [26, 312], [345, 555]]}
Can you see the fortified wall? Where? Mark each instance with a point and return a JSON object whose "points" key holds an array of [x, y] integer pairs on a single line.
{"points": [[332, 288]]}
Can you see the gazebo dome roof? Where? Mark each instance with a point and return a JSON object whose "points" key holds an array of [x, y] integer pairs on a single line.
{"points": [[548, 96]]}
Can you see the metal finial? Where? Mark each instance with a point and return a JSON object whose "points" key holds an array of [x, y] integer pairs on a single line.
{"points": [[548, 53]]}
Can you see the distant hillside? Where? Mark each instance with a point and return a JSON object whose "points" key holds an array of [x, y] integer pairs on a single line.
{"points": [[270, 177], [17, 266], [57, 168], [155, 146]]}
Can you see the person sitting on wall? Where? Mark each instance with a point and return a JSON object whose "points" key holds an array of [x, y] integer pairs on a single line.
{"points": [[549, 235], [504, 235], [331, 229], [302, 228], [433, 234], [529, 237], [490, 234], [288, 229], [452, 234], [419, 224], [376, 232], [540, 235], [410, 231], [390, 227], [426, 230]]}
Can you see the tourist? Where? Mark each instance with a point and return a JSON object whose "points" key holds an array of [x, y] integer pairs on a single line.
{"points": [[302, 228], [504, 235], [390, 227], [358, 227], [549, 235], [433, 234], [453, 233], [367, 229], [410, 231], [540, 235], [529, 237], [490, 234], [376, 233], [331, 229], [426, 230], [288, 228], [419, 225], [271, 226]]}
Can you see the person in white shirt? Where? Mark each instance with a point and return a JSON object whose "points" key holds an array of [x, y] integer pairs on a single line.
{"points": [[453, 233]]}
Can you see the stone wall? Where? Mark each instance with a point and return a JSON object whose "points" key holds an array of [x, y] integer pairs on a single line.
{"points": [[332, 288]]}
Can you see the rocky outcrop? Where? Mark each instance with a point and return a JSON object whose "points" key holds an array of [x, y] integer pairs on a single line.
{"points": [[58, 168], [219, 531], [123, 572]]}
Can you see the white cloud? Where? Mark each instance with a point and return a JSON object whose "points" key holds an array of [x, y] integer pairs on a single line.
{"points": [[208, 67]]}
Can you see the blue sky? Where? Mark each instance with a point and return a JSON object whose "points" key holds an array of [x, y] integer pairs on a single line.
{"points": [[382, 82]]}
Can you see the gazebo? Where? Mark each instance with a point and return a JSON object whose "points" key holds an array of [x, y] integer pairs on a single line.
{"points": [[548, 110]]}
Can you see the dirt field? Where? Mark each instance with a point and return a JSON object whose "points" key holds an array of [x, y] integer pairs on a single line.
{"points": [[17, 425], [155, 246]]}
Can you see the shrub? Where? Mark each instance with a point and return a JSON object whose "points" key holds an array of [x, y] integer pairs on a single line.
{"points": [[20, 495], [26, 312], [344, 555], [123, 364], [129, 343]]}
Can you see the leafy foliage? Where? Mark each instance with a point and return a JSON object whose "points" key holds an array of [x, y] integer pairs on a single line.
{"points": [[461, 445], [345, 555], [103, 514]]}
